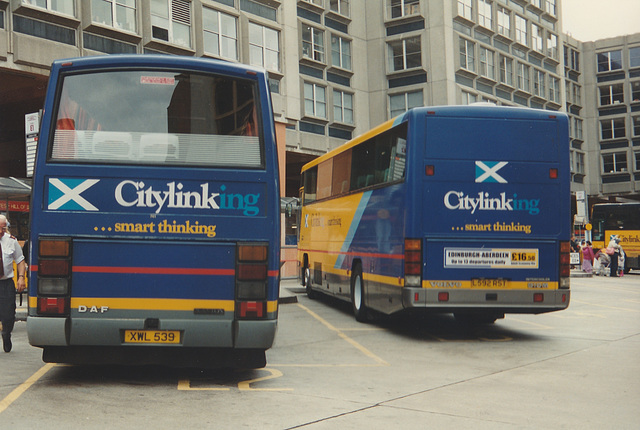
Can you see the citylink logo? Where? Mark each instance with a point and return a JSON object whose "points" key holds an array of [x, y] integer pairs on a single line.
{"points": [[487, 171], [458, 200], [139, 195]]}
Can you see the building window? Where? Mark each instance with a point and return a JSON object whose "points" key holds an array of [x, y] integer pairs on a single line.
{"points": [[538, 83], [523, 77], [171, 21], [400, 103], [316, 2], [577, 94], [636, 154], [537, 3], [611, 94], [550, 7], [571, 157], [579, 163], [636, 125], [264, 47], [612, 128], [468, 98], [120, 14], [521, 30], [578, 127], [614, 163], [315, 100], [465, 9], [536, 38], [220, 34], [340, 7], [400, 8], [255, 8], [487, 68], [552, 46], [634, 57], [506, 70], [504, 21], [61, 6], [608, 61], [635, 92], [405, 54], [572, 58], [342, 107], [313, 43], [467, 57], [340, 52], [554, 89], [485, 13]]}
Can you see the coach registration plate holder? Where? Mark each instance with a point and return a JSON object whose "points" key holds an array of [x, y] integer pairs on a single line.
{"points": [[152, 336], [489, 283]]}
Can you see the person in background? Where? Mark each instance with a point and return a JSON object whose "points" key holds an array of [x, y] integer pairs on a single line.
{"points": [[10, 252], [622, 258], [587, 258], [574, 244], [615, 246], [575, 248]]}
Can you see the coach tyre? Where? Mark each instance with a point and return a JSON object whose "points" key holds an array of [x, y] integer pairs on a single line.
{"points": [[357, 294]]}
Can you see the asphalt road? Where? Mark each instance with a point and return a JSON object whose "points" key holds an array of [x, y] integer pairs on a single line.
{"points": [[574, 369]]}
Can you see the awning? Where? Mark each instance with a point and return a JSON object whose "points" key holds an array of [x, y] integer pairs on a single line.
{"points": [[15, 188], [14, 194]]}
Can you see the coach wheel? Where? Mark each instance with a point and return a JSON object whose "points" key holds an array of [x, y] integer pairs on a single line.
{"points": [[357, 295], [307, 283]]}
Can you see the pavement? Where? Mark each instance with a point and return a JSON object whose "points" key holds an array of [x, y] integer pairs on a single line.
{"points": [[289, 290]]}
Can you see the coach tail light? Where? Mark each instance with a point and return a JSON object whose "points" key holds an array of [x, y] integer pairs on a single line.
{"points": [[251, 281], [54, 276], [412, 262], [565, 264]]}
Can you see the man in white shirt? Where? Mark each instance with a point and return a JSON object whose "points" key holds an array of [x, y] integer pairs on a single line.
{"points": [[10, 252]]}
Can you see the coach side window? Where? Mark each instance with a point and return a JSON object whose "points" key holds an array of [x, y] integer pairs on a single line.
{"points": [[310, 185]]}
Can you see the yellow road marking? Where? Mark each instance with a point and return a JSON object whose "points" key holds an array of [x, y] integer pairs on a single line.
{"points": [[352, 342], [20, 389], [246, 385], [185, 384], [615, 308], [542, 326]]}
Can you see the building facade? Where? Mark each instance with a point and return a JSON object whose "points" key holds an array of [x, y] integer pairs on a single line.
{"points": [[339, 67], [612, 116]]}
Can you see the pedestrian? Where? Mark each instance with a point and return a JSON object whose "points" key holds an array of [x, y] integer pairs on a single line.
{"points": [[10, 252], [587, 258], [574, 244], [575, 249], [622, 258], [613, 250]]}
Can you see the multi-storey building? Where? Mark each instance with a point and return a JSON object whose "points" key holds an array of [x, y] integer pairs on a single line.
{"points": [[612, 116], [340, 67]]}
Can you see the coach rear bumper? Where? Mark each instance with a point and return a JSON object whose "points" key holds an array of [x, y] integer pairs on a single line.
{"points": [[49, 331], [505, 301], [43, 331]]}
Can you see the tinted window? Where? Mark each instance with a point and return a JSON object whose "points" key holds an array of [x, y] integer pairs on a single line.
{"points": [[152, 117]]}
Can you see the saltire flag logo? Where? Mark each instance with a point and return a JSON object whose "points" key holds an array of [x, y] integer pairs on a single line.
{"points": [[487, 171], [64, 194]]}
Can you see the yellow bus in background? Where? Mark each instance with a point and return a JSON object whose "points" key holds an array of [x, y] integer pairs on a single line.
{"points": [[623, 220]]}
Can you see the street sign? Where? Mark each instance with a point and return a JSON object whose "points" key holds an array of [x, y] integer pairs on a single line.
{"points": [[31, 130]]}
